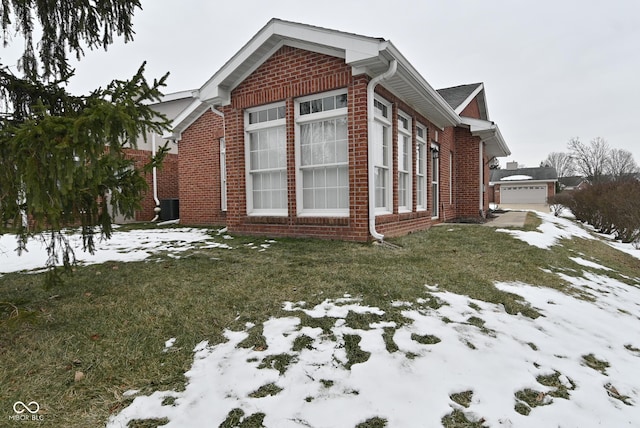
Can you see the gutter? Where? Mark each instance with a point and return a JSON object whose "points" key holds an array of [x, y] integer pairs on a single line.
{"points": [[393, 66]]}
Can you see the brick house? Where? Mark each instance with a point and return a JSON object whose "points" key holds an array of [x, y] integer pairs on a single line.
{"points": [[313, 132], [163, 184], [516, 186]]}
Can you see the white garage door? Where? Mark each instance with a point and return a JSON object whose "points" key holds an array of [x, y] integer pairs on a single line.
{"points": [[523, 194]]}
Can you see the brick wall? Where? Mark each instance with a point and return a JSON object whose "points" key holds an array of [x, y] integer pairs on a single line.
{"points": [[467, 162], [167, 179], [472, 109], [199, 169], [288, 74]]}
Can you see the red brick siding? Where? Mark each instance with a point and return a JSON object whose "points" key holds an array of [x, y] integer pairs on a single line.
{"points": [[467, 175], [167, 179], [472, 109], [288, 74], [199, 166]]}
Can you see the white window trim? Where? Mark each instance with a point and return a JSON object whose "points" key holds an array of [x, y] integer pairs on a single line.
{"points": [[309, 118], [251, 211], [402, 132], [422, 141], [386, 122], [436, 194]]}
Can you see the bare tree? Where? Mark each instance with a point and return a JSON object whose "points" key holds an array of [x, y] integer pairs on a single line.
{"points": [[591, 160], [621, 164], [562, 162]]}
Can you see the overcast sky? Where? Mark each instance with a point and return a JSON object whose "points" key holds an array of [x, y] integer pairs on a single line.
{"points": [[552, 69]]}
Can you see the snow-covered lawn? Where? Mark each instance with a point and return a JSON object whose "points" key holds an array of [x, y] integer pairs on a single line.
{"points": [[577, 365], [124, 246]]}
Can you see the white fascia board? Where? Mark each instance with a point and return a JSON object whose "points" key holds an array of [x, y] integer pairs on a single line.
{"points": [[436, 99], [352, 47], [184, 119], [551, 180], [466, 102], [488, 132]]}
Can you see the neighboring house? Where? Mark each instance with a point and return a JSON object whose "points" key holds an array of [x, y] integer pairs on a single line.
{"points": [[514, 185], [575, 182], [164, 186], [308, 131]]}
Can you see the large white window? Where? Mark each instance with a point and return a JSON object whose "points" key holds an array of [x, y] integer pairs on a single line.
{"points": [[405, 182], [421, 167], [266, 154], [323, 154], [382, 156], [435, 174]]}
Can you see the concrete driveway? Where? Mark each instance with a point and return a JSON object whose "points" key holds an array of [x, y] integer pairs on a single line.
{"points": [[515, 215], [525, 207]]}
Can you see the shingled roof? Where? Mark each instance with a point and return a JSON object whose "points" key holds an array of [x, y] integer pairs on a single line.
{"points": [[541, 173], [456, 95]]}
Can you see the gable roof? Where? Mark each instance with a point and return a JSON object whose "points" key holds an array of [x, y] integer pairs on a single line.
{"points": [[535, 174], [460, 96], [368, 55]]}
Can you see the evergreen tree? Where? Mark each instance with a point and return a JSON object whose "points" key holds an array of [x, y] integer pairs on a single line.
{"points": [[62, 156]]}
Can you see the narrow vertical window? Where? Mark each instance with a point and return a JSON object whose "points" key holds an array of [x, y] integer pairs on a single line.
{"points": [[450, 177], [223, 175], [421, 167], [266, 161], [382, 156], [405, 182], [435, 174], [323, 155]]}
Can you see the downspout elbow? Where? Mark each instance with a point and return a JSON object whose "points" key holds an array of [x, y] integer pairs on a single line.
{"points": [[393, 66]]}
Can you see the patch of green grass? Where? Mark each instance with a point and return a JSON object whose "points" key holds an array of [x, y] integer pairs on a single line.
{"points": [[362, 321], [148, 423], [462, 398], [326, 383], [389, 343], [532, 398], [591, 361], [236, 419], [266, 391], [425, 339], [522, 408], [355, 355], [373, 423], [255, 340], [302, 342], [633, 349], [457, 419], [278, 362], [553, 381]]}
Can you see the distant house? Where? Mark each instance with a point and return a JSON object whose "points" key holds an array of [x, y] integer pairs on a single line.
{"points": [[575, 182], [314, 132], [514, 185], [163, 185]]}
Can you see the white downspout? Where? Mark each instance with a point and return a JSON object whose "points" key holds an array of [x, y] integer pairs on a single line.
{"points": [[155, 180], [480, 151], [393, 66]]}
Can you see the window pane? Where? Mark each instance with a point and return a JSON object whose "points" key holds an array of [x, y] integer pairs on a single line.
{"points": [[281, 112], [328, 103], [316, 106], [262, 116], [305, 108], [341, 101]]}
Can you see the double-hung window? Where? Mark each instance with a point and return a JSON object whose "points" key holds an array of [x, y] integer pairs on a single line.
{"points": [[266, 156], [435, 174], [405, 187], [421, 167], [323, 154], [382, 156]]}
